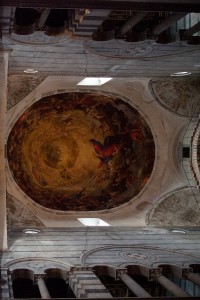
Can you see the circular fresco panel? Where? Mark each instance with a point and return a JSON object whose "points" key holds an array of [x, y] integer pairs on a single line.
{"points": [[81, 151]]}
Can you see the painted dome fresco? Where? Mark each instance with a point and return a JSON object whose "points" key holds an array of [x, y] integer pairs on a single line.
{"points": [[80, 152]]}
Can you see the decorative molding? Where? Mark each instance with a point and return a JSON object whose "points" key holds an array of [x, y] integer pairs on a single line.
{"points": [[38, 38], [82, 269], [120, 49], [154, 255], [195, 141], [36, 264], [137, 256], [135, 50]]}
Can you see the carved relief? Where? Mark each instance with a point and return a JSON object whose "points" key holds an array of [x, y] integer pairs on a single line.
{"points": [[136, 256], [178, 95], [186, 272], [120, 272], [121, 49], [82, 269], [135, 50], [37, 265], [178, 209]]}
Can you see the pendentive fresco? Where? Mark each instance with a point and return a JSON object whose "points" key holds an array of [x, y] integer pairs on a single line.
{"points": [[178, 95], [20, 216], [81, 151], [20, 86], [178, 209]]}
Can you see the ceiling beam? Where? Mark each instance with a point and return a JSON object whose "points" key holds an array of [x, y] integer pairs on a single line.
{"points": [[139, 5]]}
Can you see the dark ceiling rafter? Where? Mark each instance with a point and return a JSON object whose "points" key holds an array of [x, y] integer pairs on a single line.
{"points": [[167, 5]]}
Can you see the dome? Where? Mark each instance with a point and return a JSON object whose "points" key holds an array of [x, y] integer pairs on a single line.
{"points": [[81, 152]]}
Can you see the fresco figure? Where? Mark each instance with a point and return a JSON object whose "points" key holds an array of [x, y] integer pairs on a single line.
{"points": [[106, 151]]}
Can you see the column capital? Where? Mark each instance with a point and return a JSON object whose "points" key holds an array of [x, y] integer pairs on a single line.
{"points": [[3, 49], [155, 273], [186, 272], [39, 276], [120, 272]]}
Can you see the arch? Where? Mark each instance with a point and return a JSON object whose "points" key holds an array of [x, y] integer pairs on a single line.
{"points": [[138, 255], [105, 270], [57, 283], [37, 264], [56, 273], [23, 284], [22, 273]]}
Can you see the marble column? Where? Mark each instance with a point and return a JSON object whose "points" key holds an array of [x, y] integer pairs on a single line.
{"points": [[195, 278], [85, 284], [132, 21], [168, 284], [134, 286], [4, 54], [174, 17], [42, 288], [192, 30]]}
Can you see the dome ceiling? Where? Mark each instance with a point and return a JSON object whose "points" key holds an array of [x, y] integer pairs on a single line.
{"points": [[80, 152]]}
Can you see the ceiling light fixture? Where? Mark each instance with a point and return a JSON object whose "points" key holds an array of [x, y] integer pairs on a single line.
{"points": [[180, 74], [93, 222], [94, 81], [176, 230], [31, 231], [30, 71]]}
